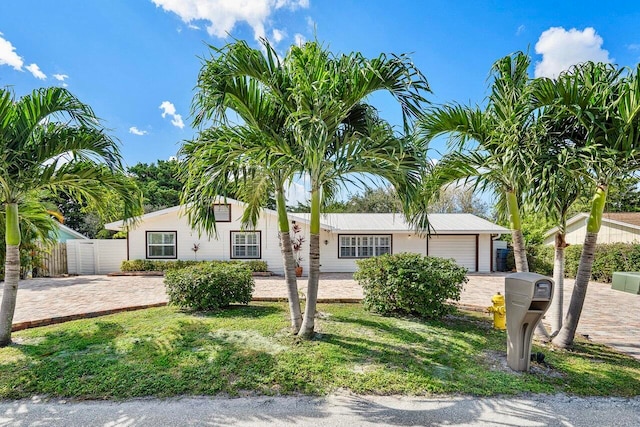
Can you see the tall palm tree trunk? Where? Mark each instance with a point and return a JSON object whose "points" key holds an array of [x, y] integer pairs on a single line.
{"points": [[519, 249], [289, 263], [308, 322], [11, 273], [558, 279], [567, 333]]}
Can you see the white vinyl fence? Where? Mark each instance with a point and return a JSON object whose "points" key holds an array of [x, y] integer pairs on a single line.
{"points": [[95, 256]]}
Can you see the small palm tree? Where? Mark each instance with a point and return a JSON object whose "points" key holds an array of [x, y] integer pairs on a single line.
{"points": [[604, 104], [72, 155]]}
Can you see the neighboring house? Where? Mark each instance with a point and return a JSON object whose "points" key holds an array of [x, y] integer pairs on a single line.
{"points": [[616, 228], [65, 233], [344, 238]]}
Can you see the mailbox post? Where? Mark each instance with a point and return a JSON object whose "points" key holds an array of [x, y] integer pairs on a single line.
{"points": [[527, 298]]}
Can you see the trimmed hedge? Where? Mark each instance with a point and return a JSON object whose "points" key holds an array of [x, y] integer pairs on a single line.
{"points": [[157, 265], [409, 283], [609, 257], [209, 286]]}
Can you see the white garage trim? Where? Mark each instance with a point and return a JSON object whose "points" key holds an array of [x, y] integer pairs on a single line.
{"points": [[463, 248]]}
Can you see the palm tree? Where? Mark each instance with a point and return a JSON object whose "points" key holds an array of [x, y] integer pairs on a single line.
{"points": [[239, 160], [255, 159], [342, 138], [605, 104], [555, 186], [489, 148], [72, 155]]}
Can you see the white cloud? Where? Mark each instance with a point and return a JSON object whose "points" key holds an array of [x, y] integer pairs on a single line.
{"points": [[299, 39], [35, 70], [560, 49], [134, 130], [278, 35], [520, 30], [222, 15], [60, 77], [193, 27], [8, 55], [311, 24], [168, 109]]}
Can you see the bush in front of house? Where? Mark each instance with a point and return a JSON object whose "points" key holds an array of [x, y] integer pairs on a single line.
{"points": [[257, 266], [209, 286], [409, 283], [157, 265]]}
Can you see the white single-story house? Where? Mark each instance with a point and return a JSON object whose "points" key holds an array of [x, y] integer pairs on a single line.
{"points": [[619, 227], [344, 238]]}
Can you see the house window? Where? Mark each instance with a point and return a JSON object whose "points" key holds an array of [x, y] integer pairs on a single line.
{"points": [[161, 244], [360, 246], [222, 212], [245, 244]]}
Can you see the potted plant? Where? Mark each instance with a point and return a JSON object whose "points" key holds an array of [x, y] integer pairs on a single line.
{"points": [[195, 249], [296, 244]]}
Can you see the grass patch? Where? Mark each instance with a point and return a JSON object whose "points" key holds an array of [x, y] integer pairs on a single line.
{"points": [[247, 350]]}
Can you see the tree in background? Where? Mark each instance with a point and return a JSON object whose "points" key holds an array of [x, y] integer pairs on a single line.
{"points": [[375, 200], [51, 143], [462, 199], [160, 183]]}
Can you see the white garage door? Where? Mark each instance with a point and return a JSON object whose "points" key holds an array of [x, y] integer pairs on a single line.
{"points": [[461, 248]]}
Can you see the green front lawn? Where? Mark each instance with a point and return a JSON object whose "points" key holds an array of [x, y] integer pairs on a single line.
{"points": [[247, 350]]}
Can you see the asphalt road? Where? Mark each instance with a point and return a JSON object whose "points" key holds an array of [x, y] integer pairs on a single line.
{"points": [[335, 410]]}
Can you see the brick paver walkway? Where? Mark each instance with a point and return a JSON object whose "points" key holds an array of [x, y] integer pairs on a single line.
{"points": [[609, 317]]}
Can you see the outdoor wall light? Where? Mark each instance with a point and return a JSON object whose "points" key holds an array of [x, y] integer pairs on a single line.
{"points": [[326, 242]]}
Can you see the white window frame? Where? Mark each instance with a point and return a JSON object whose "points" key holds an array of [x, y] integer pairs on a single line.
{"points": [[364, 245], [236, 244], [163, 244]]}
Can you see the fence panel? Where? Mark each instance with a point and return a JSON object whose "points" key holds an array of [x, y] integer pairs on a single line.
{"points": [[54, 261]]}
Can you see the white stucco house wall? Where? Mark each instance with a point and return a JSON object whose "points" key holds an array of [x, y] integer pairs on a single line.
{"points": [[619, 227], [344, 238]]}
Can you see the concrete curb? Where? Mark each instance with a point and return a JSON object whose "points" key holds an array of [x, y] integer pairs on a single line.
{"points": [[62, 319]]}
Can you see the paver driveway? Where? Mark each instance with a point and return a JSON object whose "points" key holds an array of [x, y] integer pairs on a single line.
{"points": [[609, 317]]}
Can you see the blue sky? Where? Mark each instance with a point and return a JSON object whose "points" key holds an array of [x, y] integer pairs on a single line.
{"points": [[136, 61]]}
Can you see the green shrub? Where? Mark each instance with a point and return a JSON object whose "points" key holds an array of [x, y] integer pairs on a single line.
{"points": [[209, 285], [160, 265], [410, 284], [137, 265], [257, 266], [540, 259], [609, 257]]}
